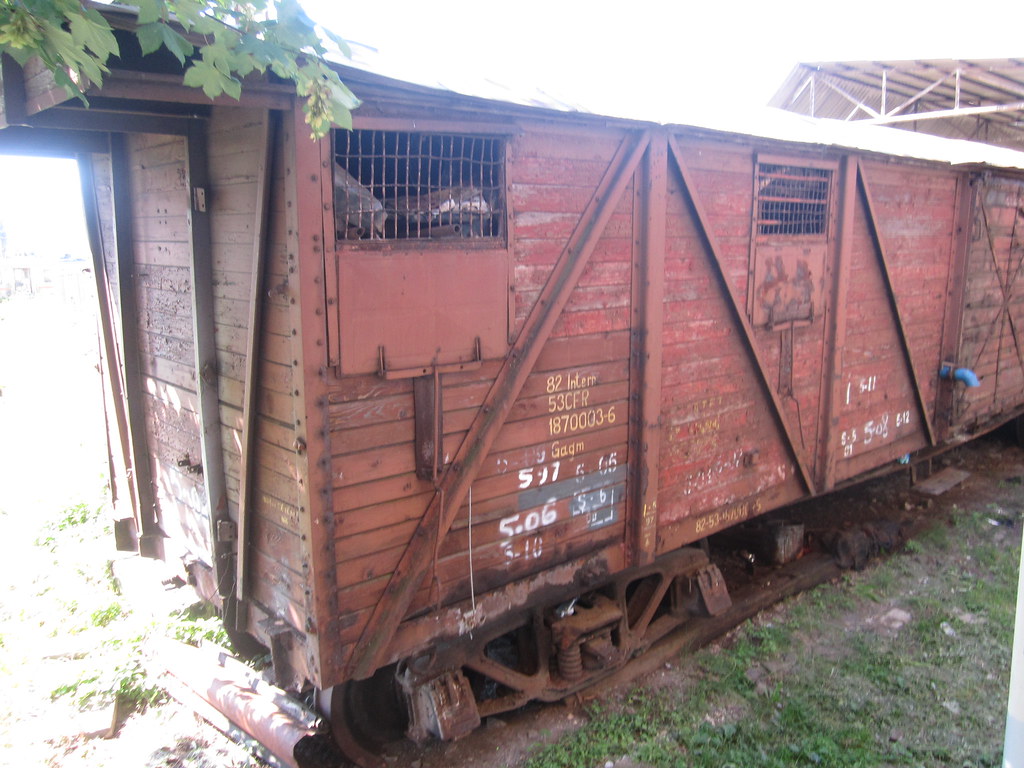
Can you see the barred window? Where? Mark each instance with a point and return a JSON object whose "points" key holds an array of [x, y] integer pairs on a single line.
{"points": [[792, 200], [391, 185]]}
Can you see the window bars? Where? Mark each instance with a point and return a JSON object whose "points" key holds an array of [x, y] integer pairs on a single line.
{"points": [[402, 185], [792, 200]]}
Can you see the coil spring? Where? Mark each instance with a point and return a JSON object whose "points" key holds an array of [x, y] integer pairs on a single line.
{"points": [[570, 662]]}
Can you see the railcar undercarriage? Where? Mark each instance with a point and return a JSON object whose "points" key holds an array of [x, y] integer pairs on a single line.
{"points": [[544, 653]]}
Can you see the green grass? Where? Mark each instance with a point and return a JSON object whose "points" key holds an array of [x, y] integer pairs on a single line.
{"points": [[114, 668], [822, 684]]}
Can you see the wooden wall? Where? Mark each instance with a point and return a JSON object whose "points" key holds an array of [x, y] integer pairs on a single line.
{"points": [[159, 269], [724, 457], [735, 424], [569, 424], [237, 150], [914, 211], [992, 344], [162, 287]]}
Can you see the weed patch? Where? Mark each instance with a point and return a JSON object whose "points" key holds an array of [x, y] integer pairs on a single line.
{"points": [[96, 617], [828, 683]]}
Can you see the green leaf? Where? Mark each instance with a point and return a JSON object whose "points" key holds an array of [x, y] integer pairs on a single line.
{"points": [[202, 75], [93, 36], [232, 87], [74, 41], [342, 116], [176, 43], [243, 65], [153, 36], [290, 12], [150, 37], [150, 11], [213, 82], [188, 12], [103, 34], [60, 77], [217, 55]]}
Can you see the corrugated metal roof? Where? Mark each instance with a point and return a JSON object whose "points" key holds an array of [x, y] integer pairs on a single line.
{"points": [[976, 99]]}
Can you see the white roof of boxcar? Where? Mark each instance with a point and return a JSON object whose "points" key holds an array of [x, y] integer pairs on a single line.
{"points": [[767, 122]]}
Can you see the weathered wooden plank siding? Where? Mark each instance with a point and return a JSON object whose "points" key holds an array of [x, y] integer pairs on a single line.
{"points": [[992, 342], [570, 421], [553, 484], [235, 154], [879, 417], [159, 217], [877, 409], [720, 446]]}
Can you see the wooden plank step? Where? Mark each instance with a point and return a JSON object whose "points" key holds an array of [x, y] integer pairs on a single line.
{"points": [[941, 481]]}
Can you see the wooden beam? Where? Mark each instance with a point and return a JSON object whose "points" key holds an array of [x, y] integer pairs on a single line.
{"points": [[153, 86], [956, 296], [890, 287], [111, 356], [648, 316], [81, 119], [264, 178], [151, 536], [371, 650], [197, 182], [739, 314], [835, 329], [12, 92], [305, 258]]}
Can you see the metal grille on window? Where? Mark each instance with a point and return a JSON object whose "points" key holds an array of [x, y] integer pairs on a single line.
{"points": [[792, 200], [403, 185]]}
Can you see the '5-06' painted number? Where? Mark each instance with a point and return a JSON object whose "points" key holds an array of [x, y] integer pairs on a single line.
{"points": [[513, 525]]}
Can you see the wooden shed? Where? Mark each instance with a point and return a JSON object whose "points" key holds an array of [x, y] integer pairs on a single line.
{"points": [[442, 402]]}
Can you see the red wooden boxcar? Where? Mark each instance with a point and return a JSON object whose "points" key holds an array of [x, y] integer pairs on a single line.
{"points": [[436, 408]]}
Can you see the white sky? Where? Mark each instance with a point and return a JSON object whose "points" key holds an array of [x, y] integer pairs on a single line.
{"points": [[41, 206], [649, 58], [639, 58]]}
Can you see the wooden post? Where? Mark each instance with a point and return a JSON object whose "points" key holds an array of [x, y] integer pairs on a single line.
{"points": [[835, 325], [955, 299], [201, 274], [151, 536], [648, 321], [12, 92], [108, 340], [264, 176]]}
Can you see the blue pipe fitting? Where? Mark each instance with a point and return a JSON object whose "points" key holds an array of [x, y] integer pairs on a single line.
{"points": [[964, 375]]}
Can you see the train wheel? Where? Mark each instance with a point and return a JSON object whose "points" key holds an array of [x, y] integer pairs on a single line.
{"points": [[366, 714]]}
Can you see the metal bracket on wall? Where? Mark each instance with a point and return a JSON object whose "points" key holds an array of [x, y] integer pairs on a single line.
{"points": [[427, 370]]}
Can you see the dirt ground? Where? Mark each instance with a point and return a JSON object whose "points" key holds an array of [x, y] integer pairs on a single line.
{"points": [[58, 613]]}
